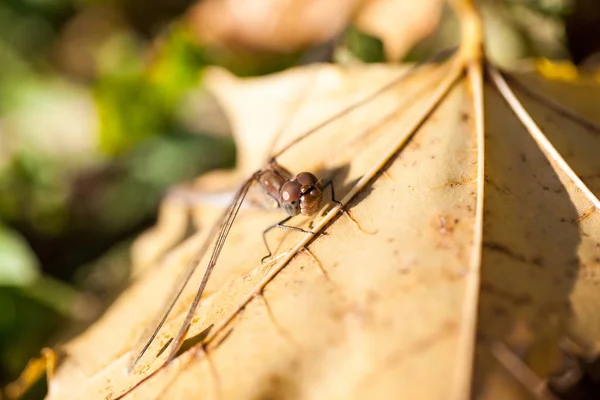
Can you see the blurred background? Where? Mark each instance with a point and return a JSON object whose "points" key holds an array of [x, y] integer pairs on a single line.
{"points": [[102, 109]]}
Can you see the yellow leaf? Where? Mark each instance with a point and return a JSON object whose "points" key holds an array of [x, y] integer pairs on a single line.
{"points": [[557, 70], [34, 370]]}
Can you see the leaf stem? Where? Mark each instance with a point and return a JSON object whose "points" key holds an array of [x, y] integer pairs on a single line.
{"points": [[472, 38]]}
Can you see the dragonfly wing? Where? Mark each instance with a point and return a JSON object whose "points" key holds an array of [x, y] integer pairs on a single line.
{"points": [[227, 217], [230, 216]]}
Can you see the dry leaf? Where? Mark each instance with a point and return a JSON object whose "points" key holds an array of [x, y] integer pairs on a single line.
{"points": [[387, 307], [348, 147], [294, 24], [269, 25], [476, 238], [399, 24]]}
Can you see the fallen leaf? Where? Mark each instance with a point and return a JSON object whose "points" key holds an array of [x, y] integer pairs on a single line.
{"points": [[34, 370], [269, 25], [292, 24], [399, 24]]}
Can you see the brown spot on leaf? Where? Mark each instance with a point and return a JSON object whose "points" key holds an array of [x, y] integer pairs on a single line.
{"points": [[586, 214]]}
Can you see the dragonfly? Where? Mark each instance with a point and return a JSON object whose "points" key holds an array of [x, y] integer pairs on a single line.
{"points": [[296, 194]]}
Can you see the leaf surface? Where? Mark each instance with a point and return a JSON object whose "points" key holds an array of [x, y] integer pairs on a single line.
{"points": [[450, 249]]}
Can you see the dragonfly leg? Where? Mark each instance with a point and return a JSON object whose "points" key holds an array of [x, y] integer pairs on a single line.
{"points": [[281, 225], [330, 185], [342, 206]]}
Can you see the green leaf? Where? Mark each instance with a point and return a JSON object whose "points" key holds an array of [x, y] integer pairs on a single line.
{"points": [[18, 265]]}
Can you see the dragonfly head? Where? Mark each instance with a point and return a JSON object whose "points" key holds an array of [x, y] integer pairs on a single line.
{"points": [[301, 195]]}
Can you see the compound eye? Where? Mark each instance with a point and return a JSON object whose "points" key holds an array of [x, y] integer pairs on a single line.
{"points": [[290, 192], [306, 179]]}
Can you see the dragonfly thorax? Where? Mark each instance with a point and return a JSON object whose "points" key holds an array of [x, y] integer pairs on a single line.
{"points": [[301, 195]]}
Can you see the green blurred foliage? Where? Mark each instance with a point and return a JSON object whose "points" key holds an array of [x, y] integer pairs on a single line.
{"points": [[32, 189], [18, 267], [76, 180], [363, 47], [136, 101], [24, 326]]}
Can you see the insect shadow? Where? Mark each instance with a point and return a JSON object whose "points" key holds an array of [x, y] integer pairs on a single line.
{"points": [[188, 343]]}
